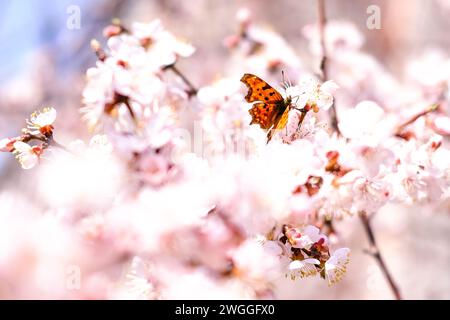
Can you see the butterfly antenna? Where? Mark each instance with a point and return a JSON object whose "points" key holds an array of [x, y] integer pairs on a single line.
{"points": [[283, 83], [289, 82]]}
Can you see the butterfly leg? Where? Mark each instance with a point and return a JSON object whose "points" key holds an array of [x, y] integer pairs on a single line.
{"points": [[296, 99], [295, 103], [269, 135], [302, 110]]}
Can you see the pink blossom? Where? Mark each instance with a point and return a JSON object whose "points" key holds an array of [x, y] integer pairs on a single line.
{"points": [[42, 122], [27, 155], [367, 124], [442, 125], [7, 144], [336, 266], [257, 263], [310, 92], [304, 268]]}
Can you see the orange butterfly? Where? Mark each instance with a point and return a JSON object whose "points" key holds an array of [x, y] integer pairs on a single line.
{"points": [[271, 110]]}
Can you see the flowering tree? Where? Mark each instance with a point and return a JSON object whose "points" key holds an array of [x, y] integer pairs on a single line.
{"points": [[177, 196]]}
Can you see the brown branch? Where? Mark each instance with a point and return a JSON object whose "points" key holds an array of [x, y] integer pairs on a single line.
{"points": [[27, 137], [53, 143], [119, 98], [192, 89], [47, 141], [300, 121], [322, 19], [130, 110], [235, 229], [430, 109], [322, 23], [302, 117], [374, 251]]}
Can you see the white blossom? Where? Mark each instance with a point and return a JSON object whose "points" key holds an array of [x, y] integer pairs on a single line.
{"points": [[27, 155]]}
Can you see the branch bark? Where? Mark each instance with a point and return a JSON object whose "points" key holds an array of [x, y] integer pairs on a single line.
{"points": [[192, 89], [410, 121], [374, 251], [322, 19]]}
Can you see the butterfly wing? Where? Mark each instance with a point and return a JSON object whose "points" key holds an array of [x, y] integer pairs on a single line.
{"points": [[270, 112], [259, 90], [279, 123], [263, 114]]}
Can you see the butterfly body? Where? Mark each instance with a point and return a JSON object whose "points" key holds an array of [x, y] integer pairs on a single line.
{"points": [[270, 109]]}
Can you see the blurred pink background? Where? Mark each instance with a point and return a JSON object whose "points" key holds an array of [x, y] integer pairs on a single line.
{"points": [[44, 63]]}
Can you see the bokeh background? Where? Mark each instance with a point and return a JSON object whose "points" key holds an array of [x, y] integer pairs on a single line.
{"points": [[44, 63]]}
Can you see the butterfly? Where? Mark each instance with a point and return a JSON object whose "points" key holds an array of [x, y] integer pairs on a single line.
{"points": [[271, 110]]}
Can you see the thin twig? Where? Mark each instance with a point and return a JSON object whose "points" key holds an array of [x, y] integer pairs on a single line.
{"points": [[119, 98], [374, 251], [401, 127], [48, 141], [322, 23], [192, 89], [30, 137], [300, 121], [302, 117], [324, 58], [130, 110], [58, 145]]}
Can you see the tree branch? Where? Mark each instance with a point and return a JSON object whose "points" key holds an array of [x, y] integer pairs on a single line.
{"points": [[322, 19], [192, 89], [374, 251], [322, 23], [428, 110]]}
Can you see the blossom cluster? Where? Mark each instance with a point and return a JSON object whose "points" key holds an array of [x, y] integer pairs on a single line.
{"points": [[177, 196], [39, 128]]}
